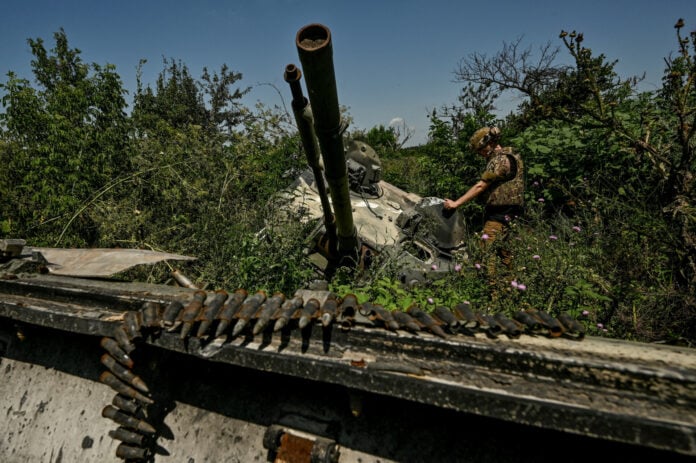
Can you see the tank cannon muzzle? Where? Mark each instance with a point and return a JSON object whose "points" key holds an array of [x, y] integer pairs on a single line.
{"points": [[316, 55]]}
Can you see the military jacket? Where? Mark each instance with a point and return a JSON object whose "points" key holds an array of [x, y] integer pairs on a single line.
{"points": [[505, 179]]}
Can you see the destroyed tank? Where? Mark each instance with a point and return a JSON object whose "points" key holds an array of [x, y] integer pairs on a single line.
{"points": [[97, 370], [360, 215]]}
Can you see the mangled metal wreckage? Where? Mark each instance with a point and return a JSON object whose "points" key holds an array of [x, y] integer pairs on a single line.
{"points": [[100, 370], [361, 215]]}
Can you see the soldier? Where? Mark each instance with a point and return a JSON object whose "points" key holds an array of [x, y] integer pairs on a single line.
{"points": [[501, 184]]}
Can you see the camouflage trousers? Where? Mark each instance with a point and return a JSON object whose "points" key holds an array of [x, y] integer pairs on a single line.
{"points": [[496, 232]]}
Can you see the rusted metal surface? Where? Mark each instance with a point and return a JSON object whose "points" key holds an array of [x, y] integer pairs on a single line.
{"points": [[229, 310], [127, 436], [286, 313], [290, 446], [126, 420], [267, 311], [121, 387], [126, 404], [426, 320], [132, 453], [249, 308], [378, 312], [123, 373], [628, 392], [112, 346], [210, 312]]}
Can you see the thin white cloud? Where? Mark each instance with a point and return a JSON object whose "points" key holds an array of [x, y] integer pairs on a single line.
{"points": [[397, 121]]}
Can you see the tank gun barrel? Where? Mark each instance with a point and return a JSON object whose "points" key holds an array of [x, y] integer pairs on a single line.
{"points": [[316, 55]]}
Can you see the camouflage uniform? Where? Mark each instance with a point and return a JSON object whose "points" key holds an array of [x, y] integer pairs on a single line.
{"points": [[504, 196], [504, 199]]}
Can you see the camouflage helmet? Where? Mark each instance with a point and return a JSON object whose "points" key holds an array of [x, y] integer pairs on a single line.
{"points": [[483, 137]]}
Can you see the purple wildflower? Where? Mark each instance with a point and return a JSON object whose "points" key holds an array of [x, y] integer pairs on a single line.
{"points": [[457, 267], [541, 200], [485, 236], [433, 267], [478, 266], [430, 300], [536, 257], [585, 313], [522, 287], [576, 228], [600, 326], [553, 237]]}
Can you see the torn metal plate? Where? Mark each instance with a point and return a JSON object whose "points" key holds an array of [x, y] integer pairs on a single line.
{"points": [[100, 262]]}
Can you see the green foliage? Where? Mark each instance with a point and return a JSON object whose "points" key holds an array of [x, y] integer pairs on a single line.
{"points": [[61, 141], [447, 161], [615, 164], [196, 196], [179, 100], [555, 266], [610, 232], [381, 139]]}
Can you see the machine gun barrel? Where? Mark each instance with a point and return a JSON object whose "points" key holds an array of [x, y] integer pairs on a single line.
{"points": [[305, 126], [316, 55]]}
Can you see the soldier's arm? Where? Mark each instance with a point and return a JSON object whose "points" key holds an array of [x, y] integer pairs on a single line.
{"points": [[473, 192]]}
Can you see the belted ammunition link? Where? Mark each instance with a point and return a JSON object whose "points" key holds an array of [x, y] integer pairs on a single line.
{"points": [[223, 316]]}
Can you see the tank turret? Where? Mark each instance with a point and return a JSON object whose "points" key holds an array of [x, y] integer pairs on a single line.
{"points": [[362, 214]]}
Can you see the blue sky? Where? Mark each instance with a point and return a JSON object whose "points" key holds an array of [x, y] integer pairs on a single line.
{"points": [[393, 59]]}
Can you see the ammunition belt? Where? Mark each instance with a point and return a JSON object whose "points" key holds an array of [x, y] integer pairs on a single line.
{"points": [[221, 315]]}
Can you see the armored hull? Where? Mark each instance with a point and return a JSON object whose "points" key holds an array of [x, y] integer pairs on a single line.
{"points": [[352, 390]]}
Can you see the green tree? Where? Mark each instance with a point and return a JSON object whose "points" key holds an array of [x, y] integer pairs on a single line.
{"points": [[382, 139], [180, 100], [676, 156], [62, 140], [601, 153]]}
